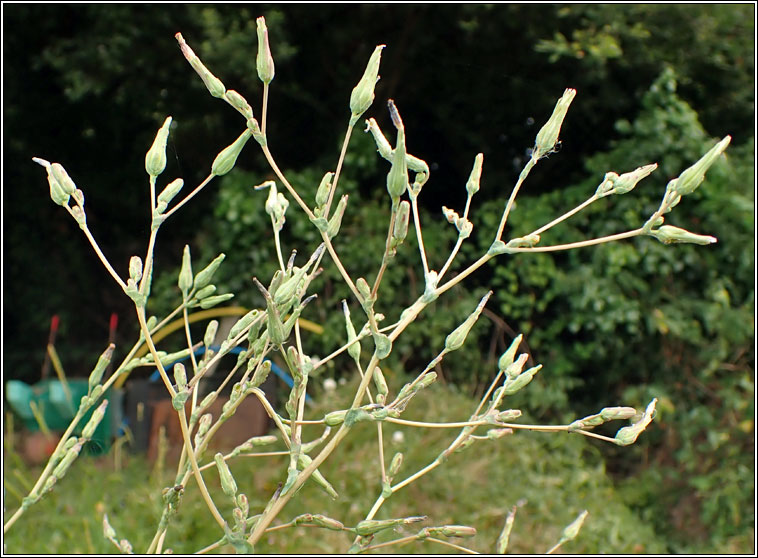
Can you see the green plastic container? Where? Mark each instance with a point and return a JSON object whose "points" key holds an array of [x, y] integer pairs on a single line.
{"points": [[58, 410]]}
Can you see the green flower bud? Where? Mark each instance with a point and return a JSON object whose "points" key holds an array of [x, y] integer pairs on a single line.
{"points": [[327, 522], [108, 531], [155, 160], [102, 363], [214, 85], [179, 400], [335, 418], [336, 219], [242, 323], [627, 181], [382, 145], [60, 470], [56, 191], [380, 382], [261, 374], [472, 186], [371, 526], [628, 435], [515, 368], [210, 333], [264, 62], [225, 161], [78, 196], [180, 375], [512, 385], [202, 428], [203, 278], [168, 193], [456, 339], [322, 194], [383, 345], [509, 415], [395, 464], [507, 357], [547, 137], [674, 235], [185, 274], [426, 381], [502, 540], [397, 178], [135, 268], [528, 241], [452, 531], [570, 532], [354, 350], [363, 93], [205, 292], [618, 413], [212, 301], [363, 289], [239, 103], [62, 178], [94, 421], [400, 229], [691, 178], [303, 461], [228, 485]]}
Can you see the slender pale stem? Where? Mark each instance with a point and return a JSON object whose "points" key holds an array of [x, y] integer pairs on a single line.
{"points": [[524, 173], [100, 254], [337, 170], [419, 236], [189, 196], [568, 214], [264, 108], [458, 242]]}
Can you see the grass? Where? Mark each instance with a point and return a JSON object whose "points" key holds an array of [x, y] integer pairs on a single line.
{"points": [[553, 476]]}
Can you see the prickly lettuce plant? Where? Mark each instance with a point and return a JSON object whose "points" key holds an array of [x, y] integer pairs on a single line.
{"points": [[276, 327]]}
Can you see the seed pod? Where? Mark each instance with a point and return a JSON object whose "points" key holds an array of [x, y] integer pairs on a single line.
{"points": [[547, 137], [691, 178], [242, 323], [456, 339], [228, 485], [102, 363], [363, 93], [239, 103], [674, 235], [168, 194], [62, 178], [204, 276], [472, 185], [264, 62], [507, 357], [225, 161], [155, 159], [322, 194], [214, 85]]}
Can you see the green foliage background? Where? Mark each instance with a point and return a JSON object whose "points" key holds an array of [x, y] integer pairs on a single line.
{"points": [[88, 86]]}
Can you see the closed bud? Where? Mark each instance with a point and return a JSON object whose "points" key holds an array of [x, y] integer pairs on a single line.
{"points": [[520, 381], [397, 178], [210, 334], [354, 350], [363, 288], [570, 532], [691, 178], [322, 194], [102, 363], [628, 435], [239, 103], [135, 268], [303, 461], [363, 93], [203, 277], [225, 161], [674, 235], [212, 301], [427, 380], [395, 464], [383, 345], [507, 357], [180, 375], [452, 531], [56, 191], [335, 418], [264, 62], [450, 215], [168, 194], [400, 230], [205, 292], [627, 181], [94, 421], [185, 273], [326, 522], [62, 178], [618, 413], [155, 160], [214, 85], [547, 137], [228, 485], [333, 228], [382, 145], [456, 339], [515, 368], [261, 374], [380, 382], [472, 186], [509, 415], [178, 401]]}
